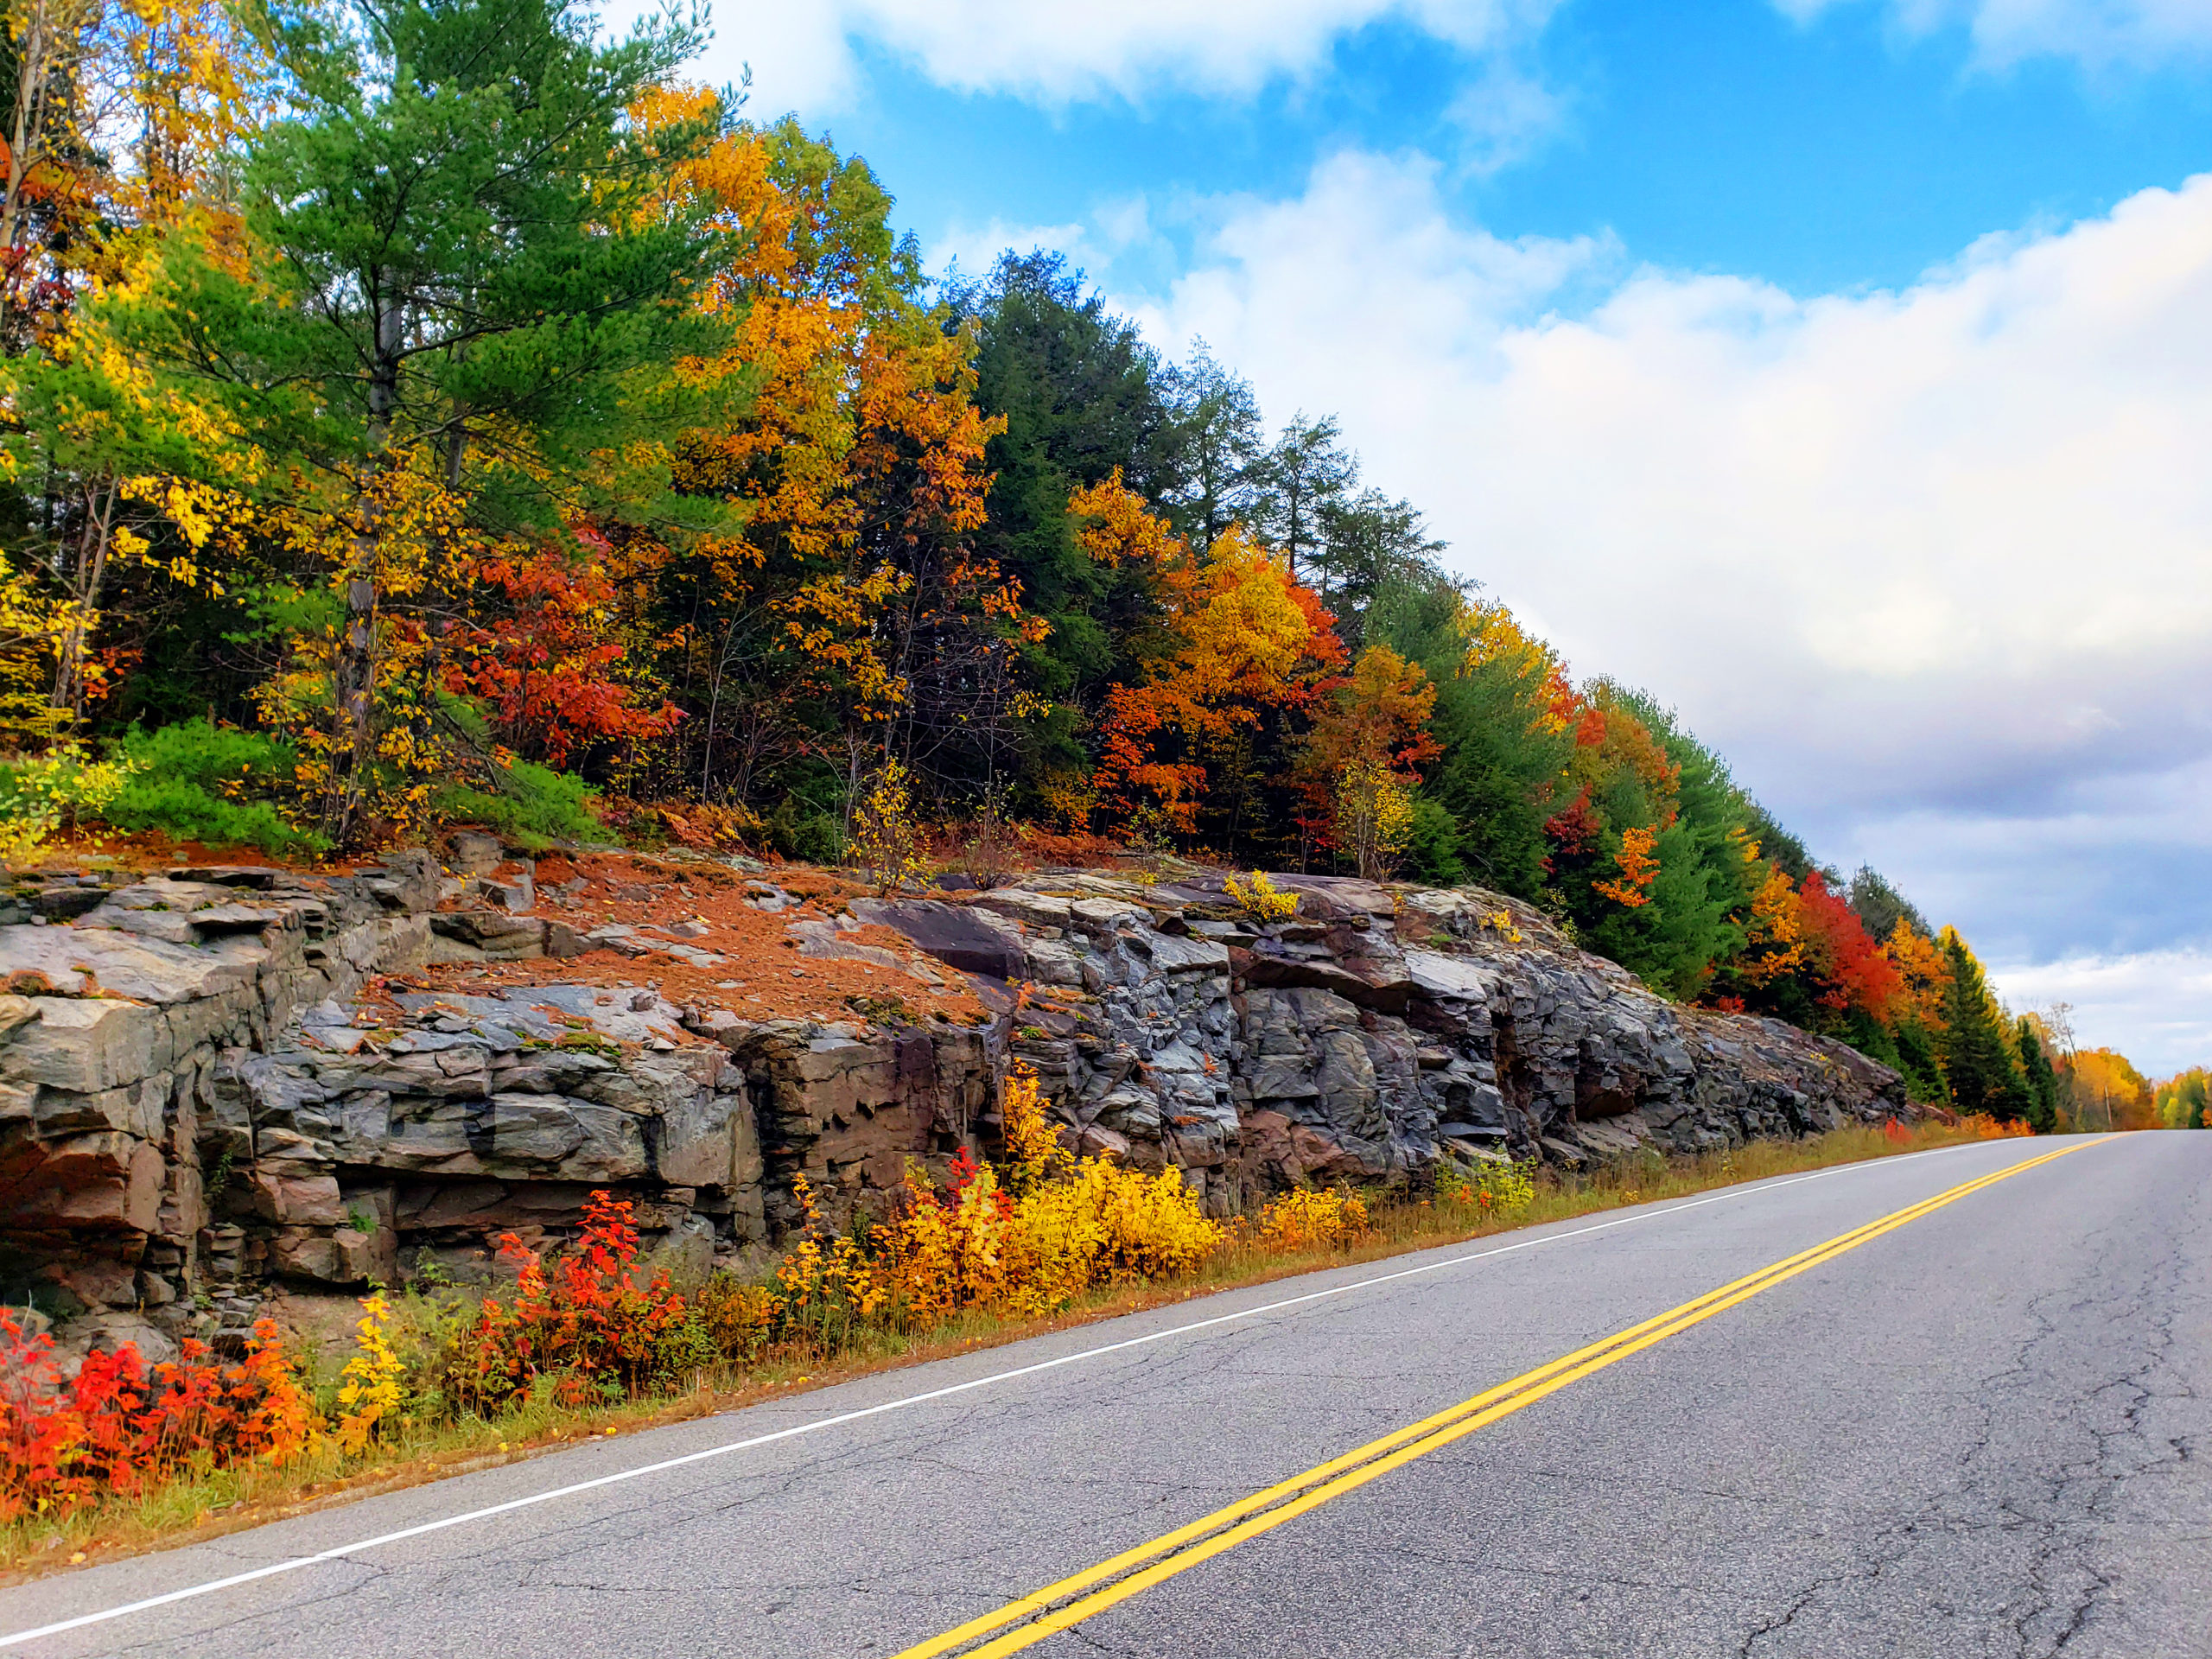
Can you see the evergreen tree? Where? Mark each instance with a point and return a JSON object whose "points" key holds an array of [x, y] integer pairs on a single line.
{"points": [[1881, 906], [1301, 481], [476, 283], [1484, 802], [1369, 542], [1218, 442], [2040, 1080], [1978, 1061], [1081, 395], [1919, 1061]]}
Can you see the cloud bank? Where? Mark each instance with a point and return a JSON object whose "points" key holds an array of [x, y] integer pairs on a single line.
{"points": [[802, 55], [1933, 568]]}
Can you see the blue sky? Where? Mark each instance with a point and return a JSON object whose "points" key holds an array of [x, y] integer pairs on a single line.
{"points": [[1829, 154], [1837, 369]]}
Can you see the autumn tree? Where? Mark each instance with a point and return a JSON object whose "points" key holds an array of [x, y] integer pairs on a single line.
{"points": [[1361, 759], [1238, 644], [125, 123], [545, 665], [2105, 1091], [2183, 1100], [847, 616], [456, 320]]}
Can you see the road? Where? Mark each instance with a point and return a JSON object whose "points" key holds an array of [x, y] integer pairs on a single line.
{"points": [[1979, 1430]]}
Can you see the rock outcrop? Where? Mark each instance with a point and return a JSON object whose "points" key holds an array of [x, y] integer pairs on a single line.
{"points": [[211, 1083]]}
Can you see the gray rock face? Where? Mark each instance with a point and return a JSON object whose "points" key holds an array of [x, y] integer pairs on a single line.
{"points": [[1379, 1029], [194, 1106]]}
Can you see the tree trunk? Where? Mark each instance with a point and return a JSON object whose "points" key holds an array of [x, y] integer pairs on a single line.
{"points": [[32, 53], [85, 584], [353, 755], [353, 695]]}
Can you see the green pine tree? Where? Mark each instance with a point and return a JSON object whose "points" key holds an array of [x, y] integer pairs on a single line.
{"points": [[1918, 1059], [463, 267], [2042, 1081], [1977, 1061]]}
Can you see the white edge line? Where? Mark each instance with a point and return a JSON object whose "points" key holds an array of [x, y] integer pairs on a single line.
{"points": [[295, 1563]]}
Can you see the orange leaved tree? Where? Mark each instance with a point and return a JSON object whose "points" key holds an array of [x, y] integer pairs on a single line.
{"points": [[1238, 648], [847, 615]]}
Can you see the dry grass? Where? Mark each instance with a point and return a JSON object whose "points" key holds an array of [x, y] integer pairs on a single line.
{"points": [[229, 1500]]}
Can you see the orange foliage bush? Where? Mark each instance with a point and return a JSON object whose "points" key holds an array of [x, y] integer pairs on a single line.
{"points": [[586, 1319], [1639, 866], [118, 1426], [546, 668]]}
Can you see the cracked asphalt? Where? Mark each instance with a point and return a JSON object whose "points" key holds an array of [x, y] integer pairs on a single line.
{"points": [[1980, 1435]]}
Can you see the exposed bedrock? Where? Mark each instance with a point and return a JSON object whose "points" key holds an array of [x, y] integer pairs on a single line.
{"points": [[204, 1097]]}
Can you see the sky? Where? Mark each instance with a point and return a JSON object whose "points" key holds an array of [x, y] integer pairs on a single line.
{"points": [[1838, 371]]}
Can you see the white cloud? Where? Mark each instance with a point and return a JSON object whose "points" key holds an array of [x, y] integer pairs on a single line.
{"points": [[1933, 568], [2162, 1000], [1117, 232], [1503, 113], [802, 55], [2103, 34]]}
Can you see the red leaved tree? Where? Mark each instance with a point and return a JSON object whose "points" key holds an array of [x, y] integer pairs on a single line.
{"points": [[547, 662]]}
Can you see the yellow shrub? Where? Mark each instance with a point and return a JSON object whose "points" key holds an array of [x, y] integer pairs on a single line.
{"points": [[944, 1252], [1103, 1224], [826, 1285], [1032, 1145], [1491, 1190], [369, 1395], [1155, 1227], [1307, 1218], [739, 1318], [1259, 899]]}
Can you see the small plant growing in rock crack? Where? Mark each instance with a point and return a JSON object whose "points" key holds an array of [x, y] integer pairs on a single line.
{"points": [[1259, 899]]}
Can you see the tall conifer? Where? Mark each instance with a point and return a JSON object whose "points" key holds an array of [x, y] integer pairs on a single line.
{"points": [[2042, 1081], [1978, 1060]]}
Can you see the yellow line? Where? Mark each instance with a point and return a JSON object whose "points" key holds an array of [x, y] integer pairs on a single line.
{"points": [[1050, 1610]]}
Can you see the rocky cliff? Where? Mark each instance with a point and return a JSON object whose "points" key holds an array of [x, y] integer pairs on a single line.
{"points": [[220, 1082]]}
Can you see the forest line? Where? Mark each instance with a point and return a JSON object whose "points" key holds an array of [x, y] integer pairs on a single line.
{"points": [[423, 412]]}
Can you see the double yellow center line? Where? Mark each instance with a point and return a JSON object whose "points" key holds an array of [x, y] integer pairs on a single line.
{"points": [[1071, 1601]]}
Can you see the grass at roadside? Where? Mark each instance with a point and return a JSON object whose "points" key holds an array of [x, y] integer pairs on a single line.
{"points": [[207, 1505]]}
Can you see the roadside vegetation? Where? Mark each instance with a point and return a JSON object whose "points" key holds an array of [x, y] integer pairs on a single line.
{"points": [[636, 479], [627, 478], [589, 1340]]}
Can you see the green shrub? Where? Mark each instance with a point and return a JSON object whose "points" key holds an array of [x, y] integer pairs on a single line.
{"points": [[1433, 845], [534, 806], [37, 793], [798, 829], [184, 812], [194, 781]]}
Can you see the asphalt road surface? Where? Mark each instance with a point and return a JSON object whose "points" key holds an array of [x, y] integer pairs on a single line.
{"points": [[1983, 1429]]}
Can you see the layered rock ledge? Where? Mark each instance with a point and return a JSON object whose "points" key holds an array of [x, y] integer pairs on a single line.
{"points": [[224, 1082]]}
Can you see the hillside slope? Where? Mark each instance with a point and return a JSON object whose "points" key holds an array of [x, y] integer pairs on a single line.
{"points": [[226, 1080]]}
